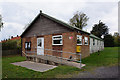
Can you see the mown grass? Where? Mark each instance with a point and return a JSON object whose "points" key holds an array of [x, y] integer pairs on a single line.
{"points": [[108, 57], [12, 71], [104, 58]]}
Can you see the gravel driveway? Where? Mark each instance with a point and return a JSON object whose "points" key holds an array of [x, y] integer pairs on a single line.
{"points": [[100, 72]]}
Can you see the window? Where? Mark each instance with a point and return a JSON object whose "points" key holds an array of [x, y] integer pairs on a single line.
{"points": [[39, 43], [79, 40], [27, 45], [97, 42], [86, 40], [57, 40], [93, 41]]}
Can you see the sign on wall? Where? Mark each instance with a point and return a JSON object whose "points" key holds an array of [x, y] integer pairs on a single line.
{"points": [[70, 37]]}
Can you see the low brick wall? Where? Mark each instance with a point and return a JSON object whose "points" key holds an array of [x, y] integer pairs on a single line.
{"points": [[52, 60], [39, 60]]}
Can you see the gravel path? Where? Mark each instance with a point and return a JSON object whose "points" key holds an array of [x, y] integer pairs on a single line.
{"points": [[100, 72]]}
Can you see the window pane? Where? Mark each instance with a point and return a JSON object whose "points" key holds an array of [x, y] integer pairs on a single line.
{"points": [[79, 39], [86, 40], [57, 42], [29, 44], [59, 37], [25, 45], [39, 42]]}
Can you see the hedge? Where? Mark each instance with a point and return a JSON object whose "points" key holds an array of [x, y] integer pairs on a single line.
{"points": [[11, 45]]}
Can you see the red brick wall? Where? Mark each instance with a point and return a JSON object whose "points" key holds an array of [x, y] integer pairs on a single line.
{"points": [[57, 48], [48, 44], [84, 48], [33, 44], [69, 45]]}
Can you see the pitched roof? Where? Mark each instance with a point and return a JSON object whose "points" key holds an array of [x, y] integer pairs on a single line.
{"points": [[60, 22], [56, 20], [93, 36], [63, 23]]}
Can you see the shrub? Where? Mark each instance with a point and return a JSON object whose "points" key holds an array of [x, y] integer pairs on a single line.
{"points": [[11, 44]]}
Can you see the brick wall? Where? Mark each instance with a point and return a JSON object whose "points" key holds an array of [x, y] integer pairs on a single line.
{"points": [[85, 50], [69, 44], [57, 48], [48, 44], [33, 44]]}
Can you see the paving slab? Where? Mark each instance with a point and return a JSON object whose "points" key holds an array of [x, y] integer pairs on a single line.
{"points": [[35, 66]]}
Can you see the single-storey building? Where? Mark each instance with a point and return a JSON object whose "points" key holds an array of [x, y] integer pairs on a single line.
{"points": [[96, 44], [48, 35]]}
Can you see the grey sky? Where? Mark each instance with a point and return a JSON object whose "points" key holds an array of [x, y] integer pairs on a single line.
{"points": [[17, 14]]}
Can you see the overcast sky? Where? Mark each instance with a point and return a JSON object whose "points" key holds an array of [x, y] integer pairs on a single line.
{"points": [[18, 13]]}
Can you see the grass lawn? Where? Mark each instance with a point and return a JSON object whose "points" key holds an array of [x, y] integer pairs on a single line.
{"points": [[108, 57]]}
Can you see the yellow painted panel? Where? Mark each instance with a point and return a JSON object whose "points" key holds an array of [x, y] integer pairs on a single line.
{"points": [[78, 49]]}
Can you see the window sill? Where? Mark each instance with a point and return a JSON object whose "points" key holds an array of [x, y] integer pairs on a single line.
{"points": [[79, 44]]}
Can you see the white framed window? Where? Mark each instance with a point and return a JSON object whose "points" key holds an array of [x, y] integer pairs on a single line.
{"points": [[57, 40], [86, 40], [79, 40]]}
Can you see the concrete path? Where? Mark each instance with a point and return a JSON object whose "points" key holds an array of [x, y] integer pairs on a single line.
{"points": [[34, 66]]}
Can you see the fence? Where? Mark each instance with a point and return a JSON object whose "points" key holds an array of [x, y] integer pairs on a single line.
{"points": [[60, 54], [11, 52]]}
